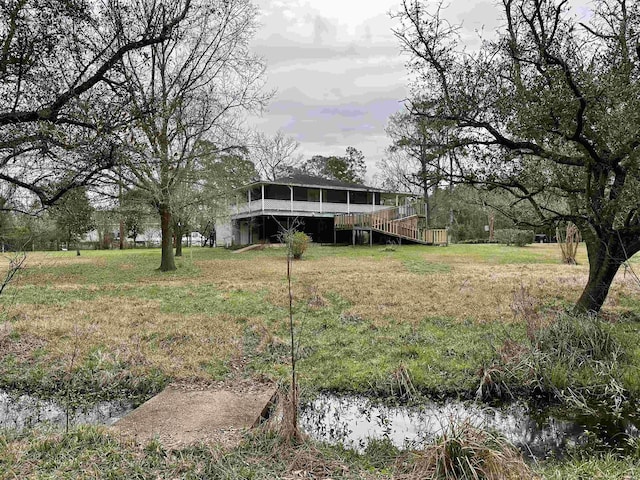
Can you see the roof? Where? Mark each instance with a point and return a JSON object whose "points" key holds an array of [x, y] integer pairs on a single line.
{"points": [[304, 180]]}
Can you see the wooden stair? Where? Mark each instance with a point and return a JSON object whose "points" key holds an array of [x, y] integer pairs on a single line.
{"points": [[401, 222]]}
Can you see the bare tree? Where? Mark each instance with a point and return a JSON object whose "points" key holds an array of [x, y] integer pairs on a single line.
{"points": [[548, 112], [61, 95], [186, 94], [275, 156]]}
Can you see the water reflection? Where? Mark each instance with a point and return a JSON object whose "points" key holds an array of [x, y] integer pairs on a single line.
{"points": [[24, 412], [353, 421]]}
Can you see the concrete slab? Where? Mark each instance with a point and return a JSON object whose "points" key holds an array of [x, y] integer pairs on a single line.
{"points": [[255, 246], [260, 246], [179, 417]]}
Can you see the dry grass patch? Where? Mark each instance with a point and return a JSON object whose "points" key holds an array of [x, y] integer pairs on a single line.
{"points": [[135, 331], [57, 279], [21, 348], [37, 269], [49, 259], [382, 291], [242, 274]]}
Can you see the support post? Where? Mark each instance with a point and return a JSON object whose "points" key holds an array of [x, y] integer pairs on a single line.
{"points": [[353, 236], [291, 189]]}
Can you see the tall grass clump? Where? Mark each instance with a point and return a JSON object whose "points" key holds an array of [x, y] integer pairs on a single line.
{"points": [[575, 359], [578, 360], [465, 451], [568, 242], [578, 340]]}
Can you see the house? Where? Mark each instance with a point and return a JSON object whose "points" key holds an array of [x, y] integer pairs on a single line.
{"points": [[329, 211]]}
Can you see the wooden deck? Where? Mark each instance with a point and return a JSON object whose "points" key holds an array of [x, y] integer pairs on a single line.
{"points": [[398, 222]]}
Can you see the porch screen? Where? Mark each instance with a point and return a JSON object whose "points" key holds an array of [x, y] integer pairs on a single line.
{"points": [[335, 196], [361, 198], [303, 194], [277, 192]]}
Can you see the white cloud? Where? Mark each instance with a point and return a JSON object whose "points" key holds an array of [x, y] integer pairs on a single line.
{"points": [[338, 70]]}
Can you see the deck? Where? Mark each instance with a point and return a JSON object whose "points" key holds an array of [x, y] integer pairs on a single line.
{"points": [[403, 223]]}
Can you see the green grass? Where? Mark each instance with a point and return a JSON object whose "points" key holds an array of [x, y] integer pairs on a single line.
{"points": [[96, 377], [384, 322], [92, 452], [342, 347], [115, 266], [482, 253], [601, 467], [367, 359]]}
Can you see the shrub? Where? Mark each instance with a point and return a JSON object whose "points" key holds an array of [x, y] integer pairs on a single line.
{"points": [[299, 242], [513, 236]]}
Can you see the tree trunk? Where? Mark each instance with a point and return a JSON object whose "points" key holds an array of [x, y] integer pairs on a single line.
{"points": [[121, 244], [451, 219], [167, 263], [179, 235], [605, 258]]}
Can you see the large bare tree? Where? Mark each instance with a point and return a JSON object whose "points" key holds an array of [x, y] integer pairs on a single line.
{"points": [[549, 111], [61, 95], [275, 156], [187, 93]]}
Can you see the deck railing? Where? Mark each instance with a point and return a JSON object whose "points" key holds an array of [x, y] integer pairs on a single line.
{"points": [[269, 206], [397, 221]]}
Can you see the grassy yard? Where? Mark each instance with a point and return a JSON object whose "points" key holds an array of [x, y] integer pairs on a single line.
{"points": [[369, 320]]}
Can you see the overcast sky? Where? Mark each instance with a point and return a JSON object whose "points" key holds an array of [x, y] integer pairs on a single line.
{"points": [[338, 70]]}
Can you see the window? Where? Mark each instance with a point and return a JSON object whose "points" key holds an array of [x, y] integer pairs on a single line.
{"points": [[361, 198], [313, 195], [335, 196], [303, 194], [277, 192]]}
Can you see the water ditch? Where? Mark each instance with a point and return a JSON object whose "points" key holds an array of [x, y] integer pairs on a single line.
{"points": [[355, 421], [22, 412], [539, 433]]}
